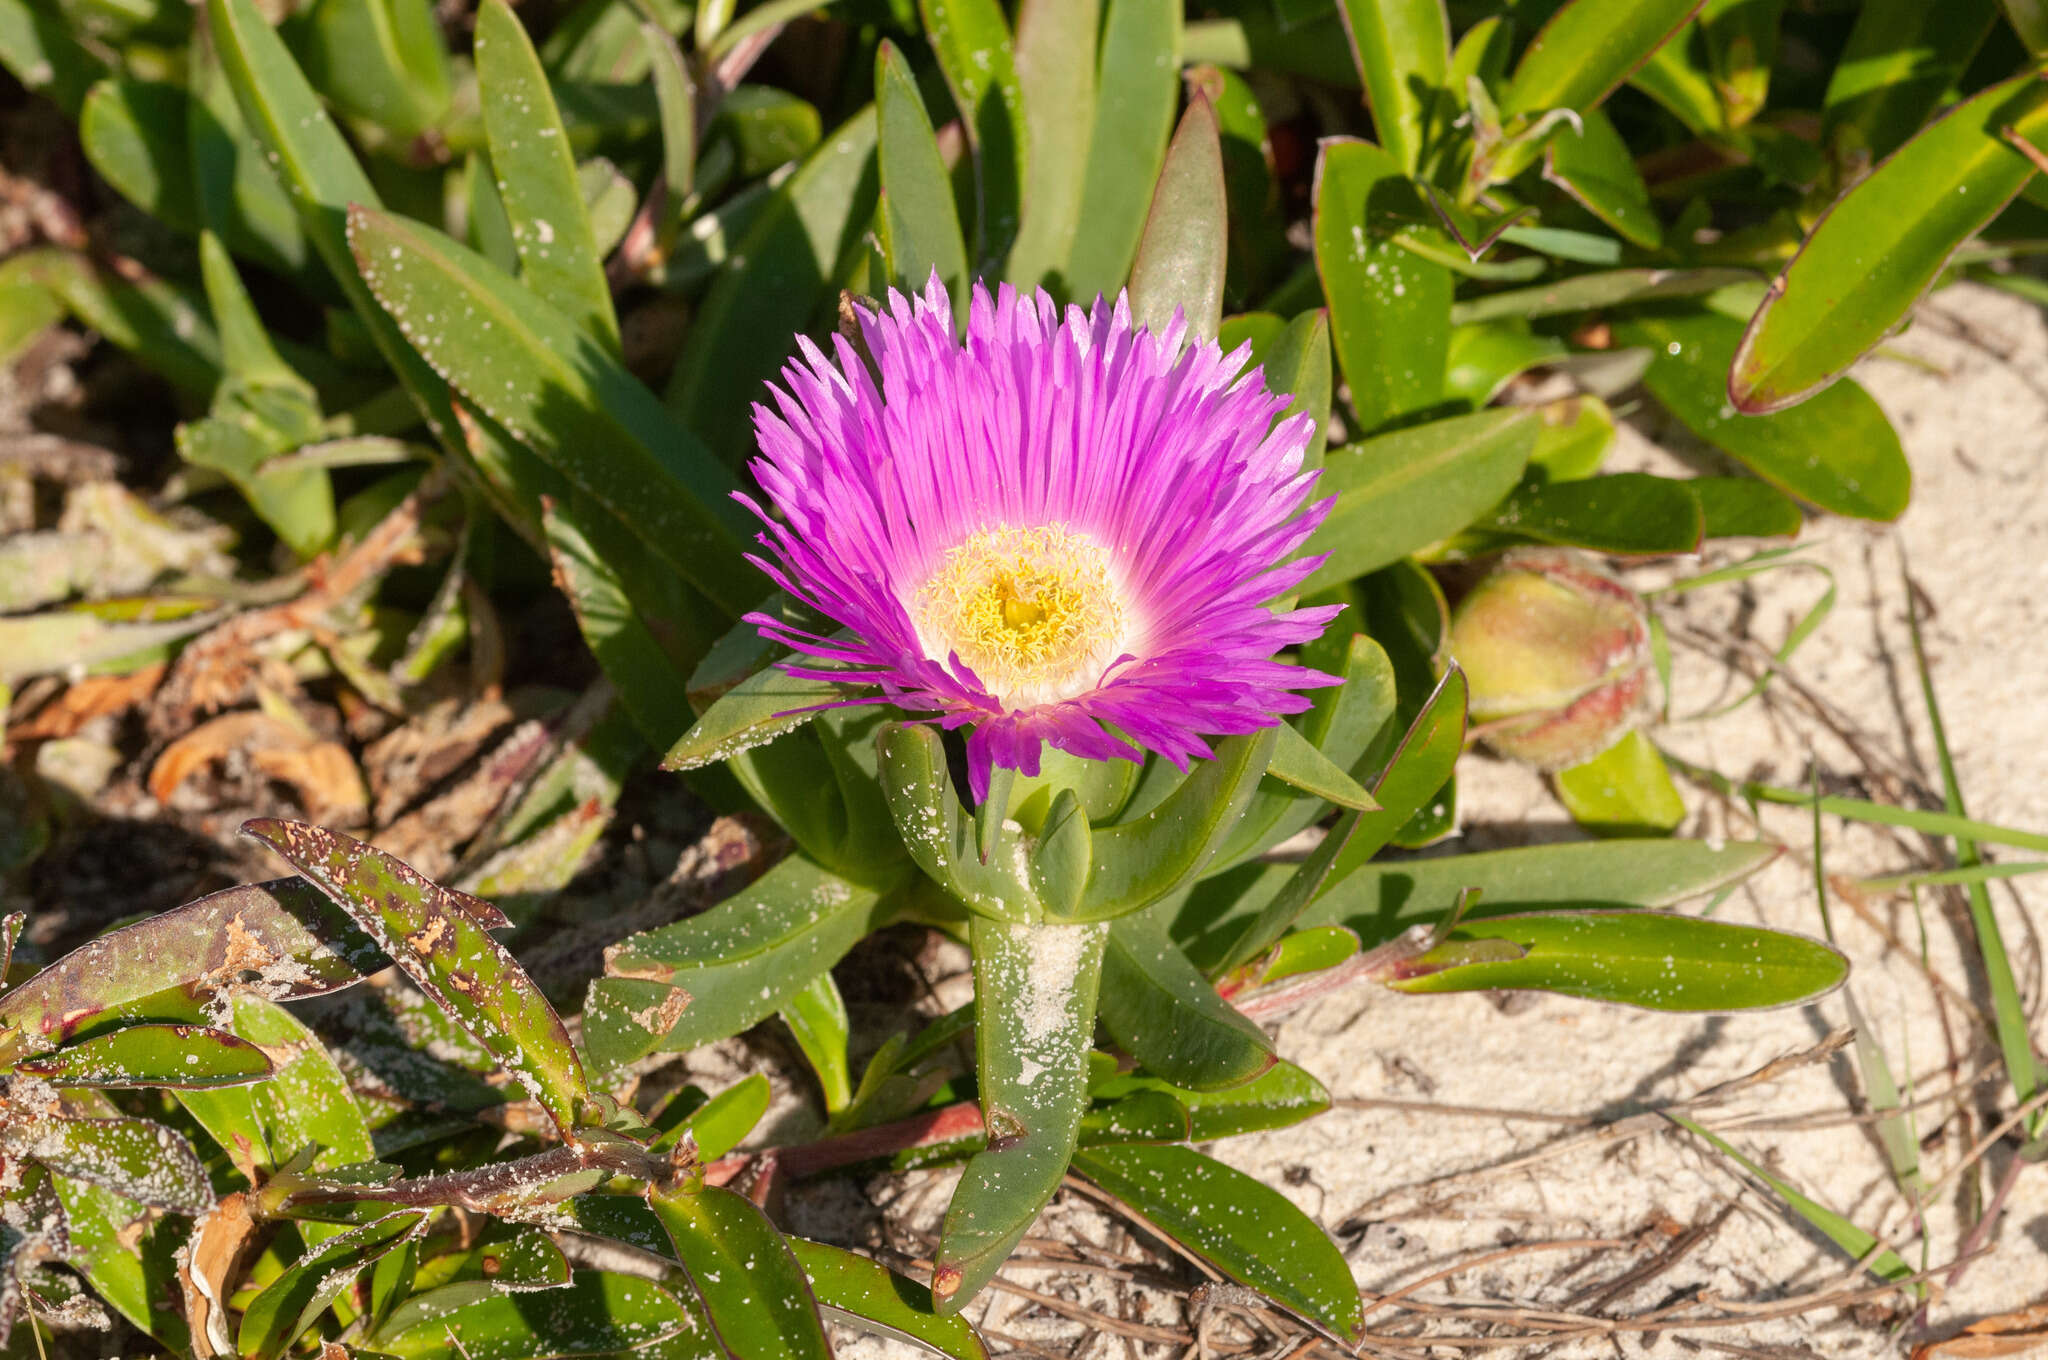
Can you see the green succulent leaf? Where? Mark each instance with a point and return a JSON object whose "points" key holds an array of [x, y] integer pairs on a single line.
{"points": [[536, 373], [284, 931], [816, 1016], [1901, 63], [1140, 861], [971, 39], [439, 943], [597, 1313], [716, 973], [379, 60], [1390, 309], [1836, 450], [1281, 1096], [739, 337], [1593, 164], [1626, 790], [134, 1158], [1056, 70], [1620, 513], [1648, 959], [1182, 254], [1138, 86], [857, 1291], [756, 1294], [921, 221], [134, 133], [1884, 243], [1742, 507], [1586, 49], [1241, 1226], [1401, 492], [1165, 1012], [1403, 51], [1035, 988], [187, 1056], [537, 177], [288, 1304]]}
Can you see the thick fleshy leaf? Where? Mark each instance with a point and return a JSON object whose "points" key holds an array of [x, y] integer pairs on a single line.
{"points": [[1181, 257], [133, 132], [1281, 1096], [718, 1125], [164, 326], [288, 1304], [816, 1016], [535, 372], [1482, 359], [939, 834], [1884, 243], [1901, 63], [755, 1293], [1403, 51], [1380, 900], [536, 177], [1390, 309], [1138, 88], [1742, 507], [284, 933], [1592, 164], [716, 973], [129, 1256], [39, 49], [186, 1056], [1586, 49], [1297, 362], [632, 658], [448, 955], [1588, 292], [1035, 989], [235, 191], [1404, 491], [1297, 762], [1056, 56], [864, 1294], [1624, 791], [1165, 1012], [740, 336], [921, 221], [972, 41], [1621, 513], [597, 1314], [306, 1105], [1240, 1225], [1139, 861], [1577, 432], [1835, 450], [379, 60], [134, 1158], [1648, 959]]}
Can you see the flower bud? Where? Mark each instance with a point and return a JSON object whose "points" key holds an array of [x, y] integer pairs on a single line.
{"points": [[1557, 654]]}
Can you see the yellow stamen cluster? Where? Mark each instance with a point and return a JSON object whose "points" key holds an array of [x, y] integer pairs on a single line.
{"points": [[1034, 611]]}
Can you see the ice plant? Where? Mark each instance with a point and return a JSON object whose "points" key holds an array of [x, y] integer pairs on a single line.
{"points": [[1060, 528]]}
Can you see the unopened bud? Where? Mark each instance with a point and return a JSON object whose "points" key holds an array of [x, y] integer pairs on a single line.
{"points": [[1557, 654]]}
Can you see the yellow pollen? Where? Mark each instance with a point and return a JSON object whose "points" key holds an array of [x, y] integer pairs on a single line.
{"points": [[1034, 612]]}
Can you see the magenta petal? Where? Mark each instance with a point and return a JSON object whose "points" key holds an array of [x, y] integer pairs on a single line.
{"points": [[1164, 454]]}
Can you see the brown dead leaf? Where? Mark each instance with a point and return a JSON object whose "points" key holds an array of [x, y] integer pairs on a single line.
{"points": [[213, 1261], [322, 772], [2021, 1335], [325, 776], [429, 835], [93, 696], [408, 762]]}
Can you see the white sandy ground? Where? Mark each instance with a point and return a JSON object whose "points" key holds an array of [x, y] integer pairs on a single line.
{"points": [[1968, 389]]}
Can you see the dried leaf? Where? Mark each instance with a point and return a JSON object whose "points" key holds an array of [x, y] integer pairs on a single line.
{"points": [[92, 696], [322, 772]]}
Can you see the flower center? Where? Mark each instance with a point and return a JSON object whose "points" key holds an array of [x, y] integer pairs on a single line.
{"points": [[1034, 612]]}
